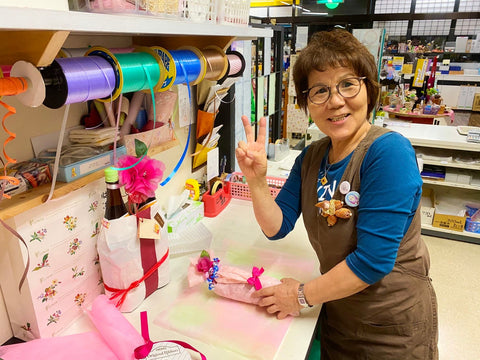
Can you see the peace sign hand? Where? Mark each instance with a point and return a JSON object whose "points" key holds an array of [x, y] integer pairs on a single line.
{"points": [[251, 156]]}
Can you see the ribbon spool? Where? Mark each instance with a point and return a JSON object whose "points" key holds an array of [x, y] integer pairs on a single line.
{"points": [[217, 62], [182, 66], [77, 52], [25, 82], [192, 61], [12, 86], [130, 70], [35, 93], [236, 65], [78, 79]]}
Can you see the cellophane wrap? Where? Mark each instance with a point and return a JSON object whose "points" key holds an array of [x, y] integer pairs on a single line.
{"points": [[231, 282]]}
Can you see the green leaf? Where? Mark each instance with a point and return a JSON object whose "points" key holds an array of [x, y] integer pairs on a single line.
{"points": [[45, 257], [204, 253], [140, 148]]}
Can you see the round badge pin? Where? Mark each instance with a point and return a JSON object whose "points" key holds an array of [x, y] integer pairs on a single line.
{"points": [[344, 187], [352, 199]]}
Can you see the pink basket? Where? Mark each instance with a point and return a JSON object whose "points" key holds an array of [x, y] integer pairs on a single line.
{"points": [[240, 190]]}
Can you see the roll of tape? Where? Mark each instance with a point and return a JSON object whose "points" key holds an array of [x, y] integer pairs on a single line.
{"points": [[217, 185]]}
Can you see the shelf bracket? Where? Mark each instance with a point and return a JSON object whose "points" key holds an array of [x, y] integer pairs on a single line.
{"points": [[39, 47]]}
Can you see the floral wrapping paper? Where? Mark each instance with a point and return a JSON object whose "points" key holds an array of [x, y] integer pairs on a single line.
{"points": [[64, 274]]}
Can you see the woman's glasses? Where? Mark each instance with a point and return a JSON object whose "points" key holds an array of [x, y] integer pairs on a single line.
{"points": [[347, 88]]}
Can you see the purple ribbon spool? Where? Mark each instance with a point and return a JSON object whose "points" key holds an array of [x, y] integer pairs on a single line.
{"points": [[88, 78]]}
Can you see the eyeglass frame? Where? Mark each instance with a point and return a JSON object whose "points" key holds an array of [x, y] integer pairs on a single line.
{"points": [[359, 78]]}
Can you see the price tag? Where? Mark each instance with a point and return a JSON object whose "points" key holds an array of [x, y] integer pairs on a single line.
{"points": [[148, 229]]}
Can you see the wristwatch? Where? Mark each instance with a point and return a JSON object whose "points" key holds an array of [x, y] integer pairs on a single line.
{"points": [[301, 297]]}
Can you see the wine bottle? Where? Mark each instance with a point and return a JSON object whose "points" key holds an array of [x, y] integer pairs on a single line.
{"points": [[114, 207]]}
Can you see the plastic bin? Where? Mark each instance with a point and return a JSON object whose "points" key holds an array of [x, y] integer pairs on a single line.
{"points": [[240, 190], [233, 12], [472, 226], [108, 6], [202, 11]]}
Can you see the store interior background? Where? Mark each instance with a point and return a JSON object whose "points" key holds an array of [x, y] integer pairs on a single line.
{"points": [[438, 22]]}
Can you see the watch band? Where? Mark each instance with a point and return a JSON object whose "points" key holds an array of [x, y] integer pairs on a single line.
{"points": [[301, 297]]}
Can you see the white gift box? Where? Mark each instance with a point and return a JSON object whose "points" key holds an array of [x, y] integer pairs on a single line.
{"points": [[64, 275]]}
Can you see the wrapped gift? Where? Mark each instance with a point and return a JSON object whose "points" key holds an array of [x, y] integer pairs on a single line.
{"points": [[228, 281], [134, 256], [64, 276]]}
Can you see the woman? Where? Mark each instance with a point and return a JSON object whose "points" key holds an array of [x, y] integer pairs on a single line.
{"points": [[377, 299]]}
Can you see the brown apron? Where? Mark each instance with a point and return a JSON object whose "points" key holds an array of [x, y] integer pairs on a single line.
{"points": [[395, 318]]}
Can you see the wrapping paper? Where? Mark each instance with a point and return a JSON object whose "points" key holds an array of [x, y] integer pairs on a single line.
{"points": [[115, 339], [234, 326]]}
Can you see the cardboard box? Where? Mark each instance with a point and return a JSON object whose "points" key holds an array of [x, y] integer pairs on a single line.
{"points": [[191, 213], [476, 102], [449, 222], [427, 206], [82, 168]]}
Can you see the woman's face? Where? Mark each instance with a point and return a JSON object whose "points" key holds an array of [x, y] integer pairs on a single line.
{"points": [[339, 118]]}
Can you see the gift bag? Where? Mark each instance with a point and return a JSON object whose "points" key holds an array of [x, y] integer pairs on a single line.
{"points": [[134, 255]]}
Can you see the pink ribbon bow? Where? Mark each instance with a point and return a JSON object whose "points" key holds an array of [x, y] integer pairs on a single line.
{"points": [[254, 280]]}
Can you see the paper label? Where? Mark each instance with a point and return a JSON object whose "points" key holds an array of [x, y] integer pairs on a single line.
{"points": [[148, 229], [168, 351]]}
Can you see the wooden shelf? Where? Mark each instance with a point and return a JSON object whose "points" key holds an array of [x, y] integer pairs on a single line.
{"points": [[37, 35], [37, 196], [420, 116]]}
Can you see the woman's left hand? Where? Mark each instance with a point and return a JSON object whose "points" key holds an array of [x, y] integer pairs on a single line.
{"points": [[281, 299]]}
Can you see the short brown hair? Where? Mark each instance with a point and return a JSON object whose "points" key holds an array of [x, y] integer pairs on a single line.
{"points": [[330, 49]]}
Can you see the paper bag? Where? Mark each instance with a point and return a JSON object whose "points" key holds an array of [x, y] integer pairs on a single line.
{"points": [[134, 256]]}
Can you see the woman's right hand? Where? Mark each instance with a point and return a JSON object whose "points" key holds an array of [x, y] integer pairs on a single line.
{"points": [[251, 155]]}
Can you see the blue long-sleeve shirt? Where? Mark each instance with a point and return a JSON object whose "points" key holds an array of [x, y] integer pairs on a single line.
{"points": [[390, 191]]}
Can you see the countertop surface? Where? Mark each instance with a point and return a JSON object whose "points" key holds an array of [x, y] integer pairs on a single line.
{"points": [[234, 231]]}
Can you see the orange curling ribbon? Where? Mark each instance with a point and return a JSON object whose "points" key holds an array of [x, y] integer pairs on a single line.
{"points": [[122, 293], [12, 86], [12, 180]]}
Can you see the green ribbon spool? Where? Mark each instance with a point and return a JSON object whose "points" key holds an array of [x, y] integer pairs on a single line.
{"points": [[135, 67]]}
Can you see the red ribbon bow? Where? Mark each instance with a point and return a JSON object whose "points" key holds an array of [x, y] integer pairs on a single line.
{"points": [[254, 280], [122, 293]]}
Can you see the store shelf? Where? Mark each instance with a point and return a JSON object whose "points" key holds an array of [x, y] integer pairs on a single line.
{"points": [[451, 184], [36, 35], [445, 137], [16, 18], [37, 196], [452, 164], [451, 234], [466, 78], [434, 136]]}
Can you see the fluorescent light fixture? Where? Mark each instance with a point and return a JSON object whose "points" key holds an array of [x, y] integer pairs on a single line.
{"points": [[316, 13]]}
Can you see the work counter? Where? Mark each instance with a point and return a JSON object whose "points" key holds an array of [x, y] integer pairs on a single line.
{"points": [[235, 231]]}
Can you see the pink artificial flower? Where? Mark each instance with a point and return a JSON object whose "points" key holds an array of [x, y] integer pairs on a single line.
{"points": [[204, 264], [142, 180]]}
